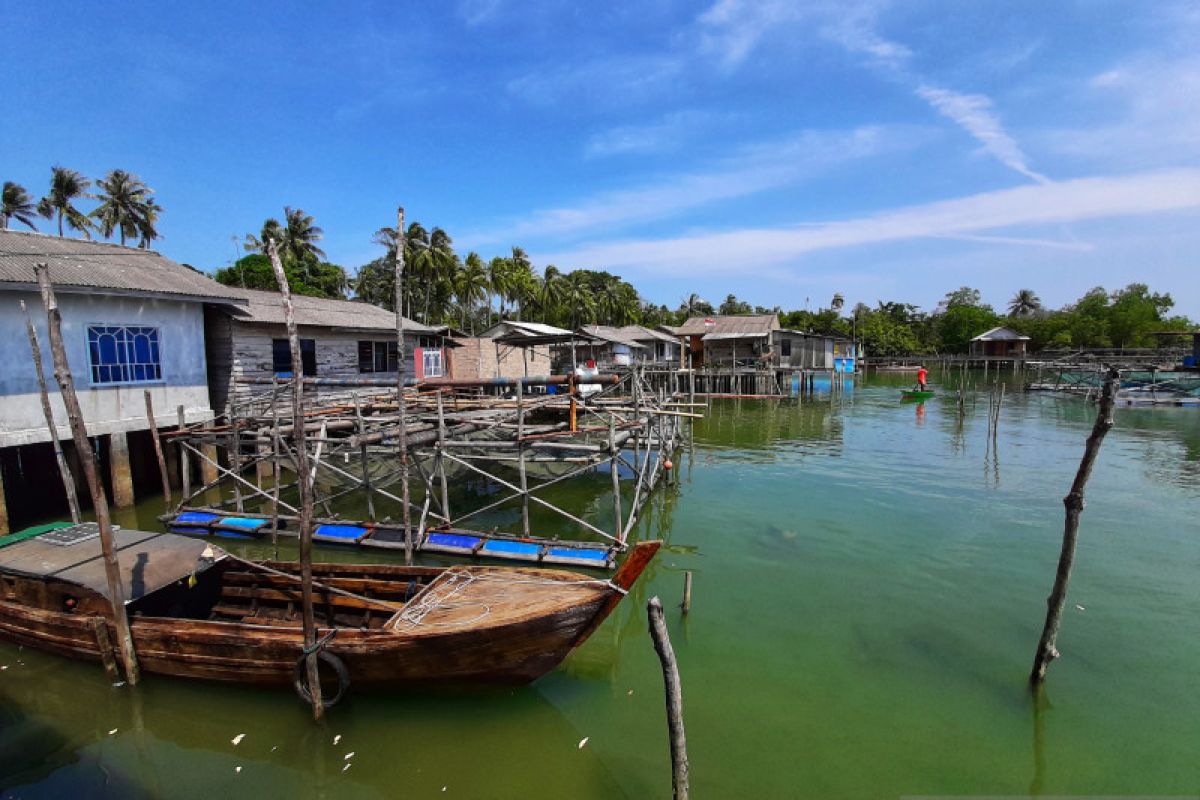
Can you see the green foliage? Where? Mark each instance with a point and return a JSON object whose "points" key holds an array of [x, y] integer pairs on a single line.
{"points": [[734, 306], [16, 204], [316, 279]]}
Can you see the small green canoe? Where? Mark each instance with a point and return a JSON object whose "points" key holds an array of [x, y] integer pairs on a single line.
{"points": [[913, 394]]}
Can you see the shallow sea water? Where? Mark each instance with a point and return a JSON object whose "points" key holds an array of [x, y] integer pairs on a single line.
{"points": [[870, 583]]}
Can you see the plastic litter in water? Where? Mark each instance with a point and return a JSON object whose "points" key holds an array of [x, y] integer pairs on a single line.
{"points": [[238, 739], [114, 730], [583, 741], [237, 769], [349, 755], [337, 738]]}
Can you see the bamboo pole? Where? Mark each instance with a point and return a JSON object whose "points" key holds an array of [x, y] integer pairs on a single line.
{"points": [[276, 472], [441, 459], [1046, 649], [361, 428], [68, 480], [158, 451], [674, 698], [686, 605], [306, 495], [521, 461], [401, 369], [83, 448], [613, 466]]}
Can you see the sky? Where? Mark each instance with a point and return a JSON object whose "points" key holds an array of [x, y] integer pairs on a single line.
{"points": [[780, 150]]}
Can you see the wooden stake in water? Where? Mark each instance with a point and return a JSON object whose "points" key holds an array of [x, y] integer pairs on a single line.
{"points": [[68, 480], [304, 480], [87, 458], [185, 463], [674, 694], [401, 373], [1046, 649], [158, 451], [686, 605]]}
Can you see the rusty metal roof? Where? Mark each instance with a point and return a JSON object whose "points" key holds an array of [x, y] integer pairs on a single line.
{"points": [[79, 264]]}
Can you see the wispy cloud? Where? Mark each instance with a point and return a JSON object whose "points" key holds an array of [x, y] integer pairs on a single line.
{"points": [[477, 12], [627, 78], [1042, 204], [756, 168], [973, 112], [666, 133]]}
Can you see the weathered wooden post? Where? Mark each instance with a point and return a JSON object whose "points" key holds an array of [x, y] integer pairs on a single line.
{"points": [[67, 480], [361, 428], [666, 655], [401, 373], [158, 451], [441, 456], [1046, 650], [87, 458], [185, 463], [304, 481], [613, 466], [521, 469], [686, 605]]}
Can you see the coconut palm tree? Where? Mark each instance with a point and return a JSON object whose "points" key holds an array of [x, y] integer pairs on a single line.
{"points": [[551, 292], [581, 303], [15, 203], [126, 206], [271, 230], [66, 186], [499, 270], [300, 236], [471, 287], [1024, 303]]}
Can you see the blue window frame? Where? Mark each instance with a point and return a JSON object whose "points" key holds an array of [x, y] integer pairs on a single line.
{"points": [[124, 354]]}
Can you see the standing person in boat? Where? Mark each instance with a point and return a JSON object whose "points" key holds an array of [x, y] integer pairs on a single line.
{"points": [[922, 378]]}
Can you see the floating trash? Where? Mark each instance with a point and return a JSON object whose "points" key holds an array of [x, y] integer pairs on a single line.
{"points": [[238, 739], [583, 741]]}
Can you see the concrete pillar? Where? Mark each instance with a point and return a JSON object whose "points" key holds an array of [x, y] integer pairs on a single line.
{"points": [[3, 507], [118, 462]]}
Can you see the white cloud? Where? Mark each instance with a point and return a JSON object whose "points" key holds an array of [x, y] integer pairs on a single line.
{"points": [[973, 112], [756, 168], [731, 29], [477, 12], [605, 80], [1042, 204], [665, 134]]}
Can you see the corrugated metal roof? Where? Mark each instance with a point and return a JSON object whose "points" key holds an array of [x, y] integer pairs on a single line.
{"points": [[748, 325], [511, 327], [611, 334], [640, 333], [267, 308], [82, 264], [709, 337], [999, 334]]}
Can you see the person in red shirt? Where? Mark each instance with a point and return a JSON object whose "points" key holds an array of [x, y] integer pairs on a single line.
{"points": [[922, 377]]}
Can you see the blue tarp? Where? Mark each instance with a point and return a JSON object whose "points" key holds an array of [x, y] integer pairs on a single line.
{"points": [[511, 547], [195, 518], [453, 540], [245, 523], [571, 552], [192, 531], [340, 531]]}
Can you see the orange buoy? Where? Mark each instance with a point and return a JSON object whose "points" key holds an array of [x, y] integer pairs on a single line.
{"points": [[667, 464]]}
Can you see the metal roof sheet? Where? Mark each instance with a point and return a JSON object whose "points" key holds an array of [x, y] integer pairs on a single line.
{"points": [[267, 308], [81, 264], [999, 333], [750, 324]]}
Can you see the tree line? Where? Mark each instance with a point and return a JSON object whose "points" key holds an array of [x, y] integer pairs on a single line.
{"points": [[125, 207]]}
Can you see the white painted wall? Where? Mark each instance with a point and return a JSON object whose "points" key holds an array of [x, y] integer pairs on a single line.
{"points": [[106, 409]]}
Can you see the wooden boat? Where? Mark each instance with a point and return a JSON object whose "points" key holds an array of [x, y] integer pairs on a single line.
{"points": [[196, 611], [915, 394]]}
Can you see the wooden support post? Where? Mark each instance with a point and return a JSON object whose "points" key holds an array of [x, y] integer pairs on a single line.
{"points": [[401, 373], [276, 467], [64, 473], [441, 460], [185, 461], [104, 645], [208, 465], [521, 458], [361, 428], [118, 465], [158, 451], [235, 445], [305, 485], [3, 507], [674, 696], [1046, 650], [613, 466], [83, 447], [686, 605]]}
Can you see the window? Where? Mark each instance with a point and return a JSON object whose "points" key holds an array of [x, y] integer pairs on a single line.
{"points": [[431, 362], [377, 357], [281, 357], [124, 354], [428, 341], [785, 348]]}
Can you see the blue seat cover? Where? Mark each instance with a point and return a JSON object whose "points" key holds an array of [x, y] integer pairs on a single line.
{"points": [[503, 546], [195, 518], [246, 523], [192, 531], [571, 552], [453, 540], [341, 531], [233, 535]]}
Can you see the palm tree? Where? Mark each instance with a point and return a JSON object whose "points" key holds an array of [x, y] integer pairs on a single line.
{"points": [[837, 302], [66, 186], [471, 287], [300, 236], [552, 291], [1024, 303], [581, 302], [126, 206], [499, 270], [271, 229], [15, 203]]}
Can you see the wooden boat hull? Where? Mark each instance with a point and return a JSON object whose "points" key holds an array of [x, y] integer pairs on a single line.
{"points": [[910, 395], [475, 625]]}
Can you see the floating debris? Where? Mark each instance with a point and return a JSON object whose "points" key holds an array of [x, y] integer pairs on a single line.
{"points": [[237, 769], [337, 738], [1081, 608], [114, 730], [629, 693], [583, 741], [346, 767], [118, 684], [349, 755], [238, 739]]}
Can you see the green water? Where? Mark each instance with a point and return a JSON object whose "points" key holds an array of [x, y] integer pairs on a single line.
{"points": [[869, 588]]}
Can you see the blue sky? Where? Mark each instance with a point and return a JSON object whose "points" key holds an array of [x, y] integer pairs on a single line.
{"points": [[780, 150]]}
